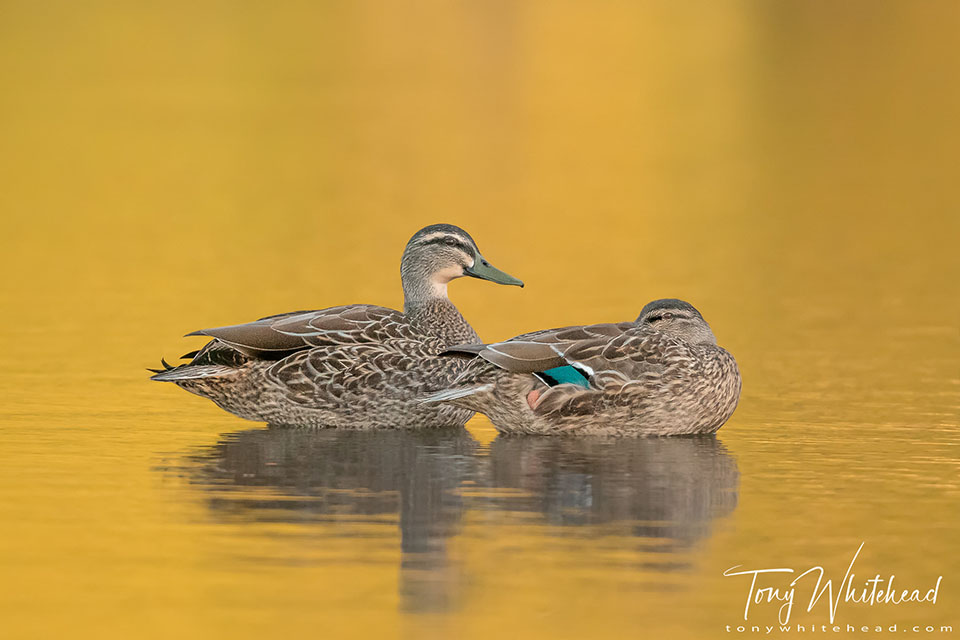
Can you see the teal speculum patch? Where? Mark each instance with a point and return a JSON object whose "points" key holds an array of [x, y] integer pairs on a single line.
{"points": [[566, 374]]}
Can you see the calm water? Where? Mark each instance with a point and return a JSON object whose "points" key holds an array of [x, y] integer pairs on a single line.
{"points": [[788, 167]]}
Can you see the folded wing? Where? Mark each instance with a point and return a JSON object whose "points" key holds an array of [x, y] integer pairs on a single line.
{"points": [[608, 354], [275, 337]]}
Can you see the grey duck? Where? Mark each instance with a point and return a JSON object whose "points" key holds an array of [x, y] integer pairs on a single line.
{"points": [[660, 375], [356, 366]]}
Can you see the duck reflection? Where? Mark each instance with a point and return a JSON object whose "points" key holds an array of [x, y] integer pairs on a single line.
{"points": [[669, 489], [330, 475], [665, 492]]}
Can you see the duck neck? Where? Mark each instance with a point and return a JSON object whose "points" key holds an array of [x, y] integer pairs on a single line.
{"points": [[426, 304]]}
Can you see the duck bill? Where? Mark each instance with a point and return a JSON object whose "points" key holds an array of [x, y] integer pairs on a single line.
{"points": [[486, 271]]}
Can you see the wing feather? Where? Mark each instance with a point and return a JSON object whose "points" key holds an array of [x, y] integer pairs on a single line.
{"points": [[278, 336], [612, 354]]}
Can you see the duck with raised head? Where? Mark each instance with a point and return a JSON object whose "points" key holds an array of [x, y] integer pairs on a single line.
{"points": [[356, 366], [662, 374]]}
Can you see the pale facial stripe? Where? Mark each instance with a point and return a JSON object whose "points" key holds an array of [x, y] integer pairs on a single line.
{"points": [[461, 244]]}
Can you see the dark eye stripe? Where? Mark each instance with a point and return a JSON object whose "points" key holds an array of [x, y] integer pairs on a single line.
{"points": [[445, 240], [669, 315]]}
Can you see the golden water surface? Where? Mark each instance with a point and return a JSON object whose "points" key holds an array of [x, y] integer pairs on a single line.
{"points": [[789, 167]]}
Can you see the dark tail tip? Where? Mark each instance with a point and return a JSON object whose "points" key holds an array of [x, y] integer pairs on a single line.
{"points": [[190, 356], [166, 367]]}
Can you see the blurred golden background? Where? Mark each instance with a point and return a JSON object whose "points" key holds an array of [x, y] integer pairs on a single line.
{"points": [[788, 167]]}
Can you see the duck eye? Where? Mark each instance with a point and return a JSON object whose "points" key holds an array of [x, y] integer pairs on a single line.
{"points": [[668, 316], [451, 242]]}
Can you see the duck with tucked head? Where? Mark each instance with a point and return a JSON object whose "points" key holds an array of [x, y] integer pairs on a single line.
{"points": [[660, 375], [356, 366]]}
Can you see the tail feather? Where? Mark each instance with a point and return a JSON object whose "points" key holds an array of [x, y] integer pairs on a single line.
{"points": [[166, 367], [190, 372]]}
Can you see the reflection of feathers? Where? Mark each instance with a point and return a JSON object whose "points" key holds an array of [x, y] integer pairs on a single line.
{"points": [[669, 489], [662, 488]]}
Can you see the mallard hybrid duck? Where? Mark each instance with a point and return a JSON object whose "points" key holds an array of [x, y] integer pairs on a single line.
{"points": [[357, 366], [660, 375]]}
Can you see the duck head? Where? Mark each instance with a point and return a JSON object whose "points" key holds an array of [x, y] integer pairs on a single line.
{"points": [[677, 319], [440, 253]]}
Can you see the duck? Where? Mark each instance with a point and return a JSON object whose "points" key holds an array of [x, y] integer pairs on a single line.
{"points": [[357, 366], [660, 375]]}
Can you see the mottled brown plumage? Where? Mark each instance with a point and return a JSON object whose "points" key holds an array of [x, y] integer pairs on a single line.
{"points": [[355, 366], [661, 375]]}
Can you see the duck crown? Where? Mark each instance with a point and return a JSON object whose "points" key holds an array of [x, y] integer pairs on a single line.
{"points": [[668, 304], [678, 319], [433, 239]]}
